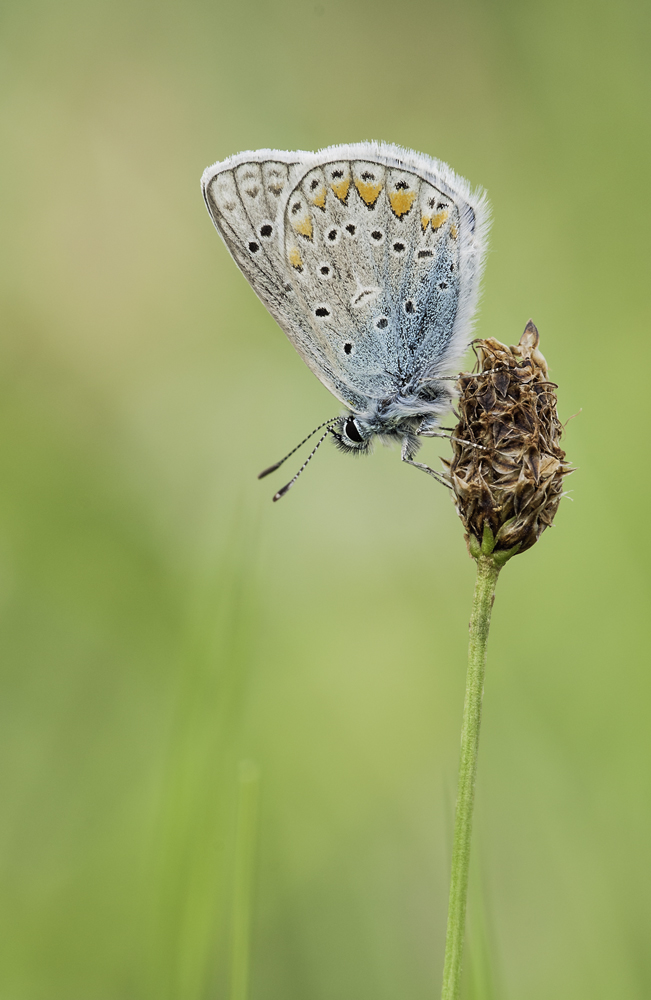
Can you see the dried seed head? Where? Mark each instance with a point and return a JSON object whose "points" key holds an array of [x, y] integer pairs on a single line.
{"points": [[508, 467]]}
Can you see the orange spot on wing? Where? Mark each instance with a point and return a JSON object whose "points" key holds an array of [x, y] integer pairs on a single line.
{"points": [[303, 226], [319, 199], [425, 221], [368, 192], [294, 258], [454, 232], [439, 219], [341, 189], [401, 201]]}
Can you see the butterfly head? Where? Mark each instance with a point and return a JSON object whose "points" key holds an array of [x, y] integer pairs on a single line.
{"points": [[353, 434]]}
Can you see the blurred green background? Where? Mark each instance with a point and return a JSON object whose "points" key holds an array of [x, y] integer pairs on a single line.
{"points": [[162, 619]]}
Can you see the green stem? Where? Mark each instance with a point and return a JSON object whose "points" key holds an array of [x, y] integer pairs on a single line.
{"points": [[487, 573]]}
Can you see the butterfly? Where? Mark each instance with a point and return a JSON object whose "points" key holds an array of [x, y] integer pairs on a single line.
{"points": [[369, 257]]}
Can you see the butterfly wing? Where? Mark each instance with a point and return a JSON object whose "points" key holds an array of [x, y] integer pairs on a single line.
{"points": [[245, 196], [386, 247], [368, 256]]}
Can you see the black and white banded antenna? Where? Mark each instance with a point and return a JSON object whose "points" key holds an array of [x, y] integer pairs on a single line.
{"points": [[281, 493], [272, 468]]}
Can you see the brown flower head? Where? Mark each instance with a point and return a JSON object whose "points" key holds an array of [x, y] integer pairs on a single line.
{"points": [[508, 467]]}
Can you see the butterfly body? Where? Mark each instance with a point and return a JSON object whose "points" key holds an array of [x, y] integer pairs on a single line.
{"points": [[369, 257]]}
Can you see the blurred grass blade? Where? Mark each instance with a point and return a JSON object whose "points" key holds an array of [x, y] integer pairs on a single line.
{"points": [[193, 847], [482, 963], [247, 814]]}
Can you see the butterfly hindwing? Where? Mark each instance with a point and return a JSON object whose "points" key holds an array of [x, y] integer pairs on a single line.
{"points": [[377, 251]]}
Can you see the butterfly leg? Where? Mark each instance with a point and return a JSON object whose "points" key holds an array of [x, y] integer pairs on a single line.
{"points": [[451, 437], [429, 428], [404, 455], [434, 434]]}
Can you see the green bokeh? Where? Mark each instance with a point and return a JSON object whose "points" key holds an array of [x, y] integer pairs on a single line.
{"points": [[162, 620]]}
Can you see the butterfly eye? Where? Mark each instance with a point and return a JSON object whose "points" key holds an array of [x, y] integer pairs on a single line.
{"points": [[351, 431]]}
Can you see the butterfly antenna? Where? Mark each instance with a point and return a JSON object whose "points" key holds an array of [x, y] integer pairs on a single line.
{"points": [[281, 493], [272, 468]]}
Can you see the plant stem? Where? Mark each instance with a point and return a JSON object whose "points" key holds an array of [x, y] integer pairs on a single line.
{"points": [[487, 573]]}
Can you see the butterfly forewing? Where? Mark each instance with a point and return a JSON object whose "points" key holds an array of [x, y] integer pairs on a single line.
{"points": [[244, 202], [245, 197]]}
